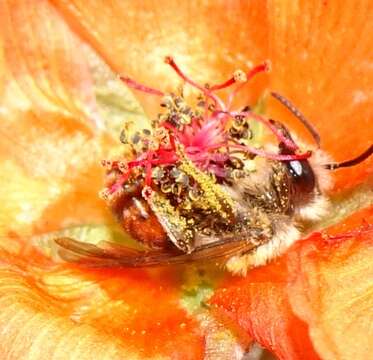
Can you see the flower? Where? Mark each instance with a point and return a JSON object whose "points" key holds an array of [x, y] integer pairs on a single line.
{"points": [[60, 107]]}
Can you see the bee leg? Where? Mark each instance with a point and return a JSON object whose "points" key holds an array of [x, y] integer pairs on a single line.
{"points": [[284, 236]]}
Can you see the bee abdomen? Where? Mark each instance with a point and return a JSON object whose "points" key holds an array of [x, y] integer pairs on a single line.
{"points": [[141, 223]]}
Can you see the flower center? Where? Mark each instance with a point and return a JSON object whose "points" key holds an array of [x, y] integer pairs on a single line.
{"points": [[214, 138]]}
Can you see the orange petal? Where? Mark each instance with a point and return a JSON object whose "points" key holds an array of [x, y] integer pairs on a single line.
{"points": [[300, 301], [359, 220], [257, 305], [33, 333], [321, 53], [80, 314], [36, 78], [44, 66], [134, 37], [317, 60], [46, 149], [333, 289], [50, 174]]}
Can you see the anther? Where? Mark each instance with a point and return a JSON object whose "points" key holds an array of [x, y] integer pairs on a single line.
{"points": [[264, 67], [123, 137], [107, 164], [123, 166], [147, 192], [104, 194], [239, 76], [153, 145]]}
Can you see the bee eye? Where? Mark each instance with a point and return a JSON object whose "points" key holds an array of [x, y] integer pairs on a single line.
{"points": [[300, 172], [302, 176]]}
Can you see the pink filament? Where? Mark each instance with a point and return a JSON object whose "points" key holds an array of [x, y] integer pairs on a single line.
{"points": [[265, 66], [137, 86], [167, 157], [148, 168], [203, 137]]}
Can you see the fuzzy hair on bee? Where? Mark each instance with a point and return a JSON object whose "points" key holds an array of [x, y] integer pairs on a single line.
{"points": [[197, 186]]}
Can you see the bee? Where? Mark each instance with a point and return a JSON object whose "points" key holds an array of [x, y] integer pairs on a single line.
{"points": [[198, 188]]}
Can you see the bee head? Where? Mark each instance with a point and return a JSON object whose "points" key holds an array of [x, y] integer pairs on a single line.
{"points": [[300, 171], [307, 177], [301, 176]]}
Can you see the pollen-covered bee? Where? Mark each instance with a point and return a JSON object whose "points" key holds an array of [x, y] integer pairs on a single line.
{"points": [[198, 187]]}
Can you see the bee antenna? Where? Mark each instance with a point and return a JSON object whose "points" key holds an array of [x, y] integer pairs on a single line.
{"points": [[291, 107], [357, 160]]}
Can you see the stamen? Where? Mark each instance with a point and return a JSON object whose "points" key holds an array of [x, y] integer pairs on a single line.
{"points": [[147, 192], [266, 66], [104, 194], [257, 69], [108, 164], [167, 158], [137, 86], [170, 61], [123, 166], [206, 140], [298, 115], [172, 128], [288, 142], [224, 85], [118, 184]]}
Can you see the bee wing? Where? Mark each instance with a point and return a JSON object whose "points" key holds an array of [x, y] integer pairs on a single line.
{"points": [[114, 255]]}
